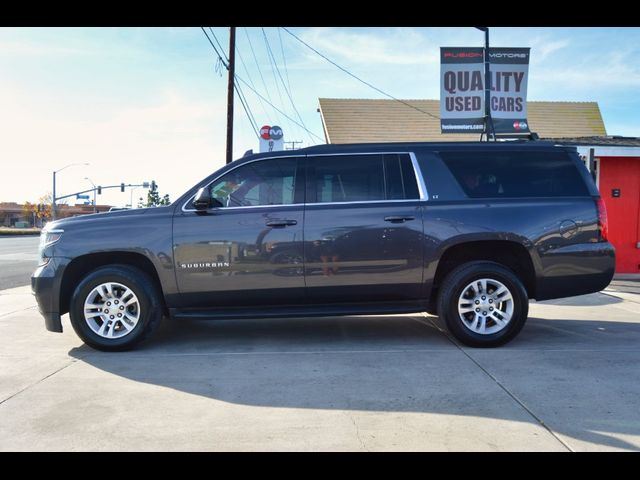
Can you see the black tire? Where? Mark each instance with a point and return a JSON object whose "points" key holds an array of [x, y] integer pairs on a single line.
{"points": [[452, 288], [151, 310]]}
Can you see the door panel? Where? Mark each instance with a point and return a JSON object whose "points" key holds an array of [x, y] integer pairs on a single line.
{"points": [[233, 257], [353, 255], [363, 238], [247, 249]]}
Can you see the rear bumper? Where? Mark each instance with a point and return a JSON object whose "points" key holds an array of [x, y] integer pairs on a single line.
{"points": [[575, 270], [45, 285]]}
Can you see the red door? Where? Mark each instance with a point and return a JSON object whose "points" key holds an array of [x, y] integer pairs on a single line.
{"points": [[621, 176]]}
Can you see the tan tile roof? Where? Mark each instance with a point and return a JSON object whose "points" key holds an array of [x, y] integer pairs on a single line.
{"points": [[349, 120]]}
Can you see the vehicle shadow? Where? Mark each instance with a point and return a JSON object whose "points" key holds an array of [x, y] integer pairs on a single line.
{"points": [[593, 300], [580, 377]]}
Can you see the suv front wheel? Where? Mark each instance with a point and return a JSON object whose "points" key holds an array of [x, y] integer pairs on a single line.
{"points": [[115, 307], [483, 304]]}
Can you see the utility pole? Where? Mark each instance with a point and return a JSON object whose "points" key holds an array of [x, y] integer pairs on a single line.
{"points": [[232, 70]]}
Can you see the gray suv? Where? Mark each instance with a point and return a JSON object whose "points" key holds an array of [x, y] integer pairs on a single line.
{"points": [[466, 231]]}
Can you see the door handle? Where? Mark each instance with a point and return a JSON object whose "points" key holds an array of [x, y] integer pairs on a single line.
{"points": [[398, 219], [281, 223]]}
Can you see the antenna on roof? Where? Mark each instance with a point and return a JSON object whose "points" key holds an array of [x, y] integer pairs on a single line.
{"points": [[247, 153]]}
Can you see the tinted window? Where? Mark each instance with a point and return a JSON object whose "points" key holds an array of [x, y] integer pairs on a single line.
{"points": [[265, 182], [515, 174], [400, 178], [348, 178]]}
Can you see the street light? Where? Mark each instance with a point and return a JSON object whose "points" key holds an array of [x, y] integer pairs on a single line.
{"points": [[95, 209], [53, 199]]}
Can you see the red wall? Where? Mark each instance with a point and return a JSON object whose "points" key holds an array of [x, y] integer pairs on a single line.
{"points": [[624, 211]]}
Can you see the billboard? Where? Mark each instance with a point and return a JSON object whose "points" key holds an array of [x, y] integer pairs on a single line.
{"points": [[462, 95]]}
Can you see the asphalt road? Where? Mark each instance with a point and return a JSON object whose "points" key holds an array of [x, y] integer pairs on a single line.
{"points": [[18, 260]]}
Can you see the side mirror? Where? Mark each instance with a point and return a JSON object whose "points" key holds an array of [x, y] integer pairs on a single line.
{"points": [[202, 200]]}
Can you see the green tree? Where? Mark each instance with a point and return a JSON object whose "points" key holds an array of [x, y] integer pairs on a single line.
{"points": [[42, 209], [153, 198]]}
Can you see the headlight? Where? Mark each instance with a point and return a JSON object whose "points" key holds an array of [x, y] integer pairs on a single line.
{"points": [[47, 237]]}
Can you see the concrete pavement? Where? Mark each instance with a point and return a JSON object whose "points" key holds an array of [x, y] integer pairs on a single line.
{"points": [[18, 260], [570, 381]]}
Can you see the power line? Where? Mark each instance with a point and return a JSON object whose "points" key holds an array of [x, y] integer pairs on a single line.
{"points": [[355, 76], [220, 59], [245, 104], [247, 110], [257, 64], [284, 59], [273, 58], [219, 44], [273, 70], [255, 91], [277, 109], [264, 110]]}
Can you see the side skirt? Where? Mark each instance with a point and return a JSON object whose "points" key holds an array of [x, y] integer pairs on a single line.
{"points": [[325, 310]]}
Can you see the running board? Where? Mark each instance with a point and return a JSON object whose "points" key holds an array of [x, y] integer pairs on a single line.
{"points": [[227, 313]]}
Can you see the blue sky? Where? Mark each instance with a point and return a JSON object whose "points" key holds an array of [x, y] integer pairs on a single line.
{"points": [[147, 103]]}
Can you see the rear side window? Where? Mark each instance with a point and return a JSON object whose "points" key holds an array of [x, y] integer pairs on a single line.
{"points": [[362, 178], [400, 178], [348, 178], [484, 174]]}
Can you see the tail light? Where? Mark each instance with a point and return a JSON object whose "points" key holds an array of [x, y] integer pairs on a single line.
{"points": [[603, 223]]}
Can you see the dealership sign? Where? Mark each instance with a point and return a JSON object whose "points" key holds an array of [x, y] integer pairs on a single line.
{"points": [[271, 139], [462, 94]]}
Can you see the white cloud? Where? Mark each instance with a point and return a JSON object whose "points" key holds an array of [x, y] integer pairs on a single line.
{"points": [[542, 47]]}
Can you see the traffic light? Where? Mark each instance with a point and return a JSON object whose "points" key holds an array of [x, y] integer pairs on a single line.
{"points": [[99, 190], [153, 184], [122, 187]]}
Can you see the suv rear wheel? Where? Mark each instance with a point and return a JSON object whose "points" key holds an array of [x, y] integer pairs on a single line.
{"points": [[115, 307], [483, 304]]}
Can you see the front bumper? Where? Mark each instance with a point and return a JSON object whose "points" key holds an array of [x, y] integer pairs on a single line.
{"points": [[45, 285]]}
